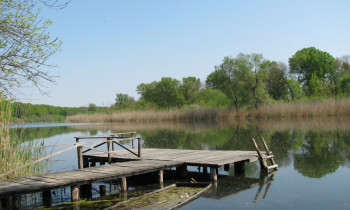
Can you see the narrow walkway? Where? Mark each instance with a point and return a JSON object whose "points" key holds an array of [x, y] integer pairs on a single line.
{"points": [[81, 176], [210, 158]]}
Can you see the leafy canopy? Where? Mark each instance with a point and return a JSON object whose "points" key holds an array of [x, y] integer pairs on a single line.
{"points": [[25, 45]]}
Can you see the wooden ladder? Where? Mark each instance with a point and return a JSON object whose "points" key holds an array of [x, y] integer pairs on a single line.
{"points": [[263, 158]]}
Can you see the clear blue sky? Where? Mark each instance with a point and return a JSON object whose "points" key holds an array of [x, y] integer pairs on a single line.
{"points": [[111, 46]]}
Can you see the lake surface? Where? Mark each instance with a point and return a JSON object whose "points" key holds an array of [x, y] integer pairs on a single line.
{"points": [[313, 156]]}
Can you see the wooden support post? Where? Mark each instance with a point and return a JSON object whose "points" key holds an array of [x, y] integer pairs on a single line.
{"points": [[93, 163], [74, 189], [102, 190], [181, 171], [205, 170], [80, 155], [86, 191], [5, 203], [47, 198], [132, 141], [226, 167], [239, 168], [213, 174], [109, 150], [161, 172], [16, 200], [85, 162], [122, 184], [139, 147]]}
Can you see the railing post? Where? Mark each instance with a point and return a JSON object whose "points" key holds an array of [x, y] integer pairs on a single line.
{"points": [[132, 141], [80, 154], [109, 150], [139, 147]]}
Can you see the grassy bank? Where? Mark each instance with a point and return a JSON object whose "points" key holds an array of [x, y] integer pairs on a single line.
{"points": [[331, 107]]}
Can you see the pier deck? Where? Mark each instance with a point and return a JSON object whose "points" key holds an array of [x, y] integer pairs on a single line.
{"points": [[210, 158], [81, 176]]}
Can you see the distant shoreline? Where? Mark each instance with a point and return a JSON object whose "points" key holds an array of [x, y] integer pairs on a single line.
{"points": [[327, 108]]}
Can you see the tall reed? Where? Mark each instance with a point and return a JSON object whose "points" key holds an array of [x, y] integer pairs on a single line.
{"points": [[331, 107], [11, 153]]}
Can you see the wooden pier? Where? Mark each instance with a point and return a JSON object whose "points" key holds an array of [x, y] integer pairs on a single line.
{"points": [[129, 162]]}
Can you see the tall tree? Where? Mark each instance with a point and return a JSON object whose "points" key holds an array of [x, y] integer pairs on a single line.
{"points": [[276, 82], [242, 79], [311, 63], [189, 87]]}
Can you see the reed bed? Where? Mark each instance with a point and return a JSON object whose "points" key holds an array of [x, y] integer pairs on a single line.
{"points": [[331, 107], [150, 116], [11, 153]]}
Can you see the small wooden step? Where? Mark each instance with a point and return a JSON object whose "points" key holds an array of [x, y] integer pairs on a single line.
{"points": [[268, 157], [272, 167]]}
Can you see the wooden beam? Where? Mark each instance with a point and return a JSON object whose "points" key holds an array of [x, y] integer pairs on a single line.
{"points": [[181, 171], [74, 189], [102, 190], [239, 168], [161, 172], [213, 174], [123, 187]]}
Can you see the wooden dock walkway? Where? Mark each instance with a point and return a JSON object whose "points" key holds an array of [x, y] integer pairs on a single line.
{"points": [[81, 176], [209, 158], [129, 162]]}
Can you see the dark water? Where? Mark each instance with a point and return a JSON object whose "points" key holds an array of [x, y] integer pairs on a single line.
{"points": [[313, 157]]}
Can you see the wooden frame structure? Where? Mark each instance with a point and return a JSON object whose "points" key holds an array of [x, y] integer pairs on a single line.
{"points": [[111, 141]]}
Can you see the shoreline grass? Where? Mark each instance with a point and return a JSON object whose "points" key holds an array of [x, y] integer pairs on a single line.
{"points": [[327, 108]]}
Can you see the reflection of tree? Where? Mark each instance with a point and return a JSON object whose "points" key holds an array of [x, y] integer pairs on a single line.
{"points": [[280, 143], [320, 154]]}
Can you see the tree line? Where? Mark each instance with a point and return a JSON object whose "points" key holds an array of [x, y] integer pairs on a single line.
{"points": [[248, 81]]}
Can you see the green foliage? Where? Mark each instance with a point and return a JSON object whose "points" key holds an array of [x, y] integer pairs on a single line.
{"points": [[92, 107], [189, 87], [345, 84], [294, 89], [242, 79], [46, 113], [310, 61], [25, 45], [277, 80], [121, 98], [212, 98], [169, 92]]}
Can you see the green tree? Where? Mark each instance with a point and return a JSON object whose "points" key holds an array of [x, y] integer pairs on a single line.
{"points": [[276, 82], [166, 93], [242, 79], [189, 87], [213, 98], [25, 45], [345, 84], [92, 107], [310, 61], [294, 89], [121, 98]]}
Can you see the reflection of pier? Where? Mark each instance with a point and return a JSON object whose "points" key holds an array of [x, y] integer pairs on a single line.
{"points": [[130, 161], [231, 185]]}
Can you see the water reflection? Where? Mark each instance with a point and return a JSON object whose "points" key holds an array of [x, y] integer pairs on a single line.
{"points": [[313, 156], [314, 152]]}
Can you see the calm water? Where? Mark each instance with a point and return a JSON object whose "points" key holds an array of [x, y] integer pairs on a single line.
{"points": [[313, 157]]}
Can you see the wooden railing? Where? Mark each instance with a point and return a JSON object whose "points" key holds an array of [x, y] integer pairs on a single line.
{"points": [[111, 141]]}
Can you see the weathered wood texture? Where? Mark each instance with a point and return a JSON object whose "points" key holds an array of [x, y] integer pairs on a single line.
{"points": [[81, 176], [214, 158], [152, 160]]}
